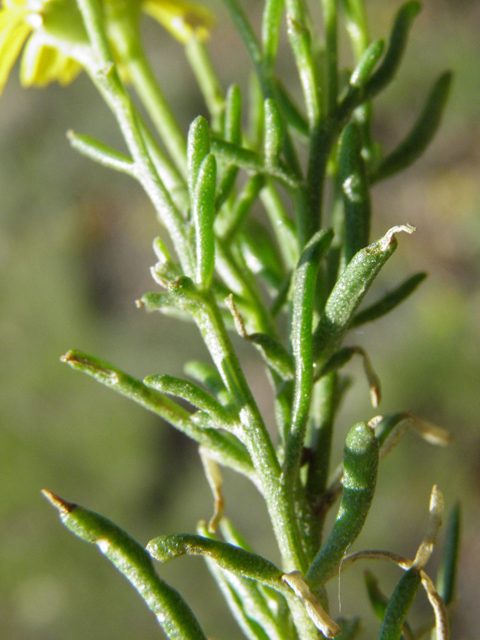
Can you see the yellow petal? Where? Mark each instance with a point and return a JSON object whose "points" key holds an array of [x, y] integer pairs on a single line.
{"points": [[182, 18], [13, 33], [43, 64]]}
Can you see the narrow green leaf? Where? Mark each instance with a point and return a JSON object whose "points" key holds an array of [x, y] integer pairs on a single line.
{"points": [[251, 161], [247, 34], [207, 80], [209, 376], [262, 70], [275, 601], [349, 292], [225, 186], [274, 133], [421, 134], [272, 18], [233, 536], [228, 223], [389, 301], [256, 117], [249, 592], [203, 217], [282, 296], [261, 253], [165, 271], [366, 64], [246, 565], [399, 605], [195, 395], [233, 590], [379, 602], [101, 153], [198, 148], [447, 574], [182, 293], [293, 116], [274, 354], [227, 556], [325, 404], [304, 281], [233, 115], [282, 225], [352, 177], [232, 132], [301, 44], [130, 558], [378, 599], [360, 462], [330, 54], [250, 628], [226, 450], [396, 48]]}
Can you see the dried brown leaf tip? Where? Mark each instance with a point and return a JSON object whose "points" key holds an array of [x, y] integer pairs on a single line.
{"points": [[62, 505]]}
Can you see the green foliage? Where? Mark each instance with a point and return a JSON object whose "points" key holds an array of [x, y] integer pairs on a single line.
{"points": [[292, 290]]}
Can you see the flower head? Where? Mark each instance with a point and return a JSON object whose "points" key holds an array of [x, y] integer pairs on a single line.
{"points": [[54, 41], [34, 24], [182, 18]]}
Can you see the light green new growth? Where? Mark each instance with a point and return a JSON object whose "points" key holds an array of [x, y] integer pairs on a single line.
{"points": [[290, 285]]}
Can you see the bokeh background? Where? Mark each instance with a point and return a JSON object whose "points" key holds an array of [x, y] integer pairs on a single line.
{"points": [[75, 249]]}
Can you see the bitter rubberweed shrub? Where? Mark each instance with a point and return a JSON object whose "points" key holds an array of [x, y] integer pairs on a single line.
{"points": [[226, 271]]}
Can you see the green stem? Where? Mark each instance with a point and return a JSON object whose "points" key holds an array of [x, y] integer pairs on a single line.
{"points": [[282, 225], [272, 16], [357, 25], [324, 403], [263, 71], [207, 80], [105, 77], [255, 435], [158, 109], [250, 41], [241, 283], [321, 141], [301, 336], [301, 44], [330, 21]]}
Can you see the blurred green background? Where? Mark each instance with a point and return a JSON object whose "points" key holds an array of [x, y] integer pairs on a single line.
{"points": [[75, 249]]}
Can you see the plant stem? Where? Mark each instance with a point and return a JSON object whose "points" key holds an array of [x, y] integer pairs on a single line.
{"points": [[158, 109], [107, 81], [254, 436], [330, 20], [207, 79], [301, 43]]}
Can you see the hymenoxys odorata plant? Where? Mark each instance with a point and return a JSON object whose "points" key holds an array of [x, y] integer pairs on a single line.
{"points": [[226, 271]]}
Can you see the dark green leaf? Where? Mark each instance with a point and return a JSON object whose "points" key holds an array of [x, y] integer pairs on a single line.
{"points": [[389, 302], [361, 455], [399, 605], [422, 133], [130, 558]]}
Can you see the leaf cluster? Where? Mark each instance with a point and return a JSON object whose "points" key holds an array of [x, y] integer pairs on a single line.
{"points": [[307, 266]]}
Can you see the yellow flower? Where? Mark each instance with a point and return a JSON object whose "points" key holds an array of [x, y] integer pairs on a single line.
{"points": [[55, 42], [43, 60], [182, 18]]}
